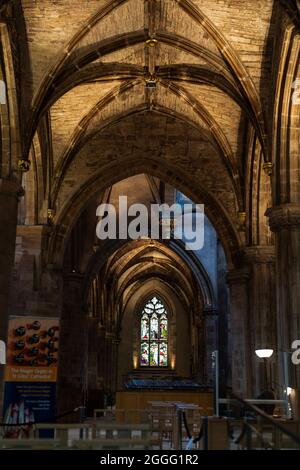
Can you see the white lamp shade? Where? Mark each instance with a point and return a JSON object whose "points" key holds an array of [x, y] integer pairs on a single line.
{"points": [[264, 353]]}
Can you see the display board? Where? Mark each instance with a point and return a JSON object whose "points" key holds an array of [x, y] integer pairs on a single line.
{"points": [[31, 371]]}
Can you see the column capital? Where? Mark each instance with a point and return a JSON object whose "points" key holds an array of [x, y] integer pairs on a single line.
{"points": [[238, 276], [284, 216], [259, 254], [11, 187]]}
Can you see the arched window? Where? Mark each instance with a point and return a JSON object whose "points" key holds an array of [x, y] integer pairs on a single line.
{"points": [[154, 334]]}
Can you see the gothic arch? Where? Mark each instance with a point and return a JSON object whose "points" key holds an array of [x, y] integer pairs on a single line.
{"points": [[103, 179]]}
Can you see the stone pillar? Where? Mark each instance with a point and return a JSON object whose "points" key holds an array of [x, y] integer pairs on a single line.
{"points": [[239, 327], [262, 312], [92, 352], [115, 363], [108, 361], [37, 287], [100, 347], [9, 192], [101, 354], [73, 352], [210, 341], [285, 222]]}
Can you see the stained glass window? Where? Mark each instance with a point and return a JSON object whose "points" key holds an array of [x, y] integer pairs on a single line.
{"points": [[154, 334]]}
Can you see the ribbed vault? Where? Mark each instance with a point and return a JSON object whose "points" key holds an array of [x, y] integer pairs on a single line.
{"points": [[212, 66], [94, 79]]}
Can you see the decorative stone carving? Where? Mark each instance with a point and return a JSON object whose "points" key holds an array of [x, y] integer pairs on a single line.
{"points": [[283, 216], [259, 254]]}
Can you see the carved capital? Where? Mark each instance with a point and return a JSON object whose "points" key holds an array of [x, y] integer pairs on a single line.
{"points": [[283, 217], [259, 254]]}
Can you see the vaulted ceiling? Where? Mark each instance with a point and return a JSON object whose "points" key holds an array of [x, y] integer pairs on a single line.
{"points": [[89, 119]]}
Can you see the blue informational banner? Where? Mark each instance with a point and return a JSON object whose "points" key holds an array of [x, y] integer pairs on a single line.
{"points": [[30, 373], [26, 402]]}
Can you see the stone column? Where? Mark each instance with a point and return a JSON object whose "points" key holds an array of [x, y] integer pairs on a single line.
{"points": [[239, 327], [37, 287], [285, 222], [115, 363], [262, 311], [101, 353], [73, 352], [108, 360], [9, 192], [210, 341], [100, 348]]}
